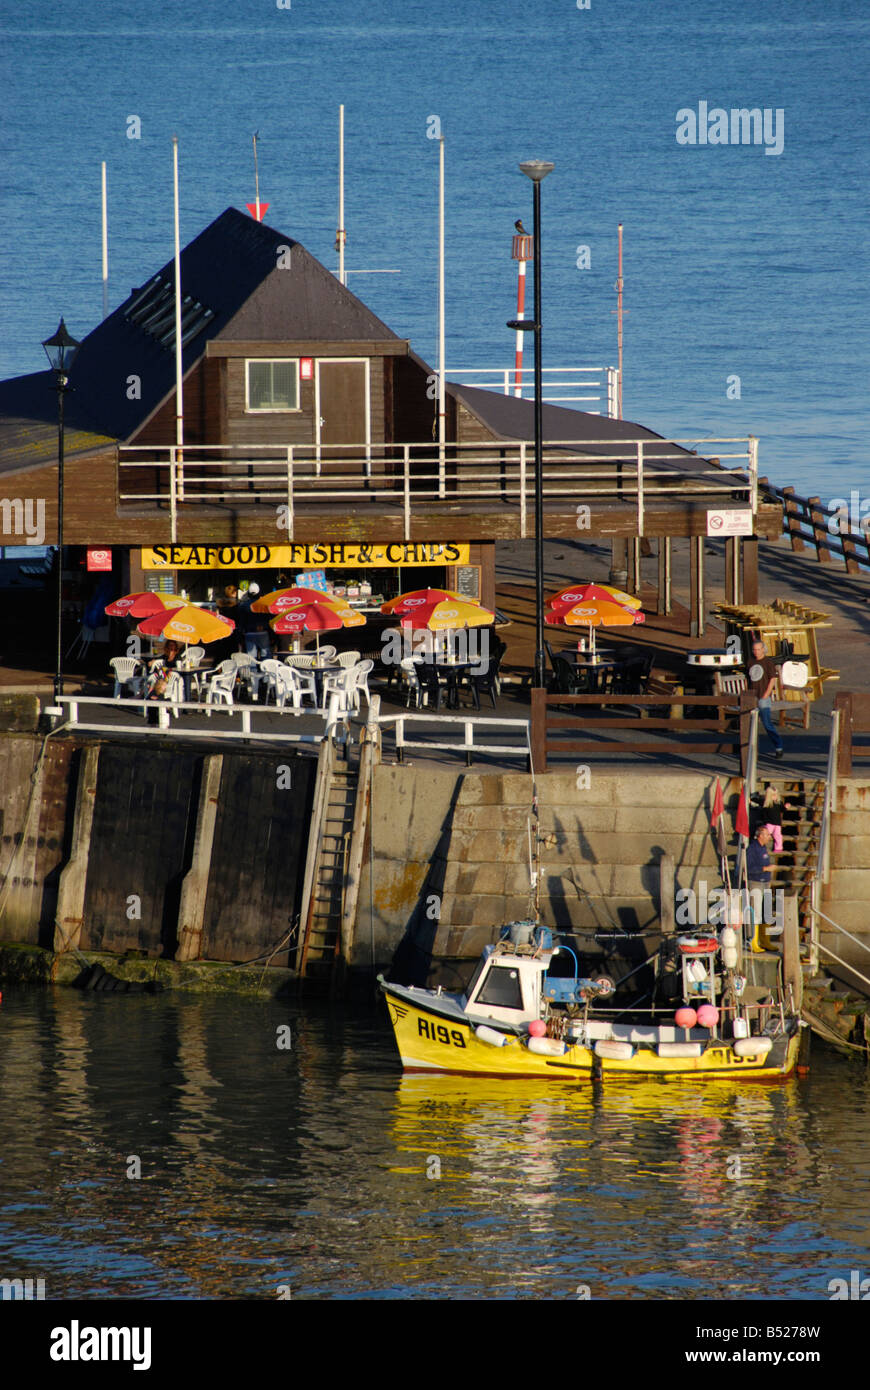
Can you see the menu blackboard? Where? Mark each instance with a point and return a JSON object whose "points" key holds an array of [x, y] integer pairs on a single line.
{"points": [[468, 580]]}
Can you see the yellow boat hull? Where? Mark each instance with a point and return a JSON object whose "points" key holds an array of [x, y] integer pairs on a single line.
{"points": [[428, 1041]]}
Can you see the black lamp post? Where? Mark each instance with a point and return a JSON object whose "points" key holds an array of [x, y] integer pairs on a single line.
{"points": [[60, 351], [537, 170]]}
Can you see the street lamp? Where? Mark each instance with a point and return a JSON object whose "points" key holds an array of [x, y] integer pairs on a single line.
{"points": [[60, 351], [537, 170]]}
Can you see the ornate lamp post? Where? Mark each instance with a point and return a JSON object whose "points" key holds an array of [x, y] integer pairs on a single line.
{"points": [[537, 170], [60, 351]]}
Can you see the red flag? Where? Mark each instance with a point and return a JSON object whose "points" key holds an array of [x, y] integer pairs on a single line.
{"points": [[718, 804], [252, 209], [741, 823]]}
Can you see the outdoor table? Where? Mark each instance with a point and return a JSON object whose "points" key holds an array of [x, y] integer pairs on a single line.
{"points": [[188, 672], [602, 656], [320, 667], [450, 674]]}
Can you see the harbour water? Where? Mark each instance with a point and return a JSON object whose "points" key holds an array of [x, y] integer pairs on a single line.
{"points": [[319, 1170], [739, 263]]}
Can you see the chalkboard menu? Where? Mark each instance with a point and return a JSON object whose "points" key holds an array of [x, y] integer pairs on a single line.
{"points": [[468, 581]]}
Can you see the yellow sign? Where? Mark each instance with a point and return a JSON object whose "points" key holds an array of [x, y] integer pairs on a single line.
{"points": [[333, 554]]}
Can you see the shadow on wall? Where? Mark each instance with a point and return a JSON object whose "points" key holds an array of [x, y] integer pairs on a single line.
{"points": [[412, 961]]}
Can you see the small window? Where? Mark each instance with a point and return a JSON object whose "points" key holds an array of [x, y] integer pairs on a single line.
{"points": [[502, 989], [273, 385]]}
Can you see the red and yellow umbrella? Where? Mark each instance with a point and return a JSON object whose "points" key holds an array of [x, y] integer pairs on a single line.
{"points": [[592, 613], [410, 603], [143, 604], [441, 614], [587, 593], [317, 616], [281, 600], [187, 624]]}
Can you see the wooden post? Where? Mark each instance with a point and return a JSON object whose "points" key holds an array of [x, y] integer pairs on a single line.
{"points": [[539, 730], [792, 518], [696, 586], [70, 914], [791, 950], [849, 555], [194, 889], [748, 703], [843, 702], [818, 522], [732, 570], [749, 556], [663, 598]]}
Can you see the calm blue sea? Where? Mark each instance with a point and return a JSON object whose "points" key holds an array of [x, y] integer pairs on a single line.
{"points": [[738, 263]]}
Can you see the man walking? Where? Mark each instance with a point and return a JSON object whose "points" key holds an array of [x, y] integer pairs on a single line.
{"points": [[762, 678]]}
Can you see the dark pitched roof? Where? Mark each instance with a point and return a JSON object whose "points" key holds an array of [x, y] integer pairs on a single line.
{"points": [[510, 417], [28, 424], [234, 286]]}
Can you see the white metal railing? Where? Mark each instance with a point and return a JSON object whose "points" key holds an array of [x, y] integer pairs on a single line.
{"points": [[165, 724], [469, 723], [402, 476], [513, 381], [823, 861], [841, 931]]}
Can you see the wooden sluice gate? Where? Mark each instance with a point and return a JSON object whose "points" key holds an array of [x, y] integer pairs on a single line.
{"points": [[159, 852]]}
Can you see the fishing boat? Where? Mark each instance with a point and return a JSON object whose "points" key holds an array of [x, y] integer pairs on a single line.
{"points": [[718, 1010]]}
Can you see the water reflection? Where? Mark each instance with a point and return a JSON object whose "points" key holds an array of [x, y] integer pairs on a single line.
{"points": [[313, 1167]]}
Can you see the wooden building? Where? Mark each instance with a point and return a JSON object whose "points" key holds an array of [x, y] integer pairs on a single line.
{"points": [[310, 441]]}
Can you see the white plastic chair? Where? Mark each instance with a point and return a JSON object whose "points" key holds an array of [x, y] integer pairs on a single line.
{"points": [[220, 691], [296, 685], [411, 679], [203, 679], [127, 670], [326, 653], [174, 692], [269, 670], [300, 661], [348, 659], [361, 674], [342, 684]]}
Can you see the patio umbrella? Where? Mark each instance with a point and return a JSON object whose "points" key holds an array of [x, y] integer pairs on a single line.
{"points": [[280, 600], [420, 598], [143, 604], [444, 615], [585, 593], [592, 614], [187, 623], [317, 615]]}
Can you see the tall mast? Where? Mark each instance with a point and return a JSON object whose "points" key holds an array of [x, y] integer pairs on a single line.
{"points": [[619, 284]]}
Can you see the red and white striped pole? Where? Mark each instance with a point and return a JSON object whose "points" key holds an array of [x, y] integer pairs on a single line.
{"points": [[522, 252]]}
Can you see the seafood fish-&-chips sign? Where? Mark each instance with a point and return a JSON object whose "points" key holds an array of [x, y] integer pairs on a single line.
{"points": [[297, 556]]}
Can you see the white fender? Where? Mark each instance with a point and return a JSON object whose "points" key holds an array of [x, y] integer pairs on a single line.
{"points": [[489, 1035], [547, 1047], [620, 1050], [752, 1047]]}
